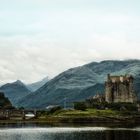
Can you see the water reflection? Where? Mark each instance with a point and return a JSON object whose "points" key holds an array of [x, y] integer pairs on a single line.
{"points": [[121, 135], [69, 134]]}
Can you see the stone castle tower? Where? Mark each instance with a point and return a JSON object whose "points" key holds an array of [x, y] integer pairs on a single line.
{"points": [[120, 89]]}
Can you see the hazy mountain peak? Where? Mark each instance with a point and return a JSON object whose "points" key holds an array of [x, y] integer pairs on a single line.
{"points": [[34, 86], [18, 82]]}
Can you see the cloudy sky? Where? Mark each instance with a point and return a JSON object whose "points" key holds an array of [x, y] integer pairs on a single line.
{"points": [[40, 38]]}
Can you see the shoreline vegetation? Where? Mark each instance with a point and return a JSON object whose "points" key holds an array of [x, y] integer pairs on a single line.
{"points": [[92, 116], [75, 117]]}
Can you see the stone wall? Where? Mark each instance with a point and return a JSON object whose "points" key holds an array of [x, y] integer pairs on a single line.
{"points": [[120, 89]]}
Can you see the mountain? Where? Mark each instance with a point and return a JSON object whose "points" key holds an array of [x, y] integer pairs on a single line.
{"points": [[34, 86], [81, 82], [15, 91]]}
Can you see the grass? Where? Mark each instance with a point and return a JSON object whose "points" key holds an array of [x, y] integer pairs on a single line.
{"points": [[86, 113], [89, 116], [76, 116]]}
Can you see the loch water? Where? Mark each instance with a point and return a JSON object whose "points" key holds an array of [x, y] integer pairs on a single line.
{"points": [[69, 133]]}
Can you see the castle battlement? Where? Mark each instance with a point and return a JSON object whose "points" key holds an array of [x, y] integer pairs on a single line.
{"points": [[121, 78]]}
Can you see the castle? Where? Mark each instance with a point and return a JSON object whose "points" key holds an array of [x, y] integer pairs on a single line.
{"points": [[120, 89]]}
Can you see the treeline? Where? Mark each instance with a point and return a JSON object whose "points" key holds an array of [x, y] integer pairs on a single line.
{"points": [[104, 106], [5, 102]]}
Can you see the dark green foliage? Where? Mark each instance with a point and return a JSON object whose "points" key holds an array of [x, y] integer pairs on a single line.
{"points": [[41, 113], [94, 103], [123, 106], [21, 108], [138, 101], [80, 106], [4, 102], [113, 106]]}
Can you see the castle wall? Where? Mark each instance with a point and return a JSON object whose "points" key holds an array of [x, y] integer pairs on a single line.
{"points": [[119, 89]]}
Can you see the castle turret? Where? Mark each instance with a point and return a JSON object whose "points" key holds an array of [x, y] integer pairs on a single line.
{"points": [[108, 91], [132, 95]]}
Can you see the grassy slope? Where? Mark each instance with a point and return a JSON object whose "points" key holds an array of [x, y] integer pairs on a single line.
{"points": [[86, 113], [90, 116]]}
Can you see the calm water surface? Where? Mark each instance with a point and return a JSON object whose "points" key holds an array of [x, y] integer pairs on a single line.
{"points": [[69, 133]]}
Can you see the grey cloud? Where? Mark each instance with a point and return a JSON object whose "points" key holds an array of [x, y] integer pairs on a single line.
{"points": [[32, 58]]}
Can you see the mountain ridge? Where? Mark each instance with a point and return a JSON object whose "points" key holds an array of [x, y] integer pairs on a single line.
{"points": [[15, 91], [73, 83]]}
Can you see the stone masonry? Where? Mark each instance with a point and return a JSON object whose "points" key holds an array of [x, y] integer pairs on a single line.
{"points": [[120, 89]]}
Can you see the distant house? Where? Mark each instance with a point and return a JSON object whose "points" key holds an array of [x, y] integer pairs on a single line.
{"points": [[29, 115]]}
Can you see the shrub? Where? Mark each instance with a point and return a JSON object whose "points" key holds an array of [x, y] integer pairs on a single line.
{"points": [[80, 106]]}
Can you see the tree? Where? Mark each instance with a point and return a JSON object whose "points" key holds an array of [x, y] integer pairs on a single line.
{"points": [[80, 106]]}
